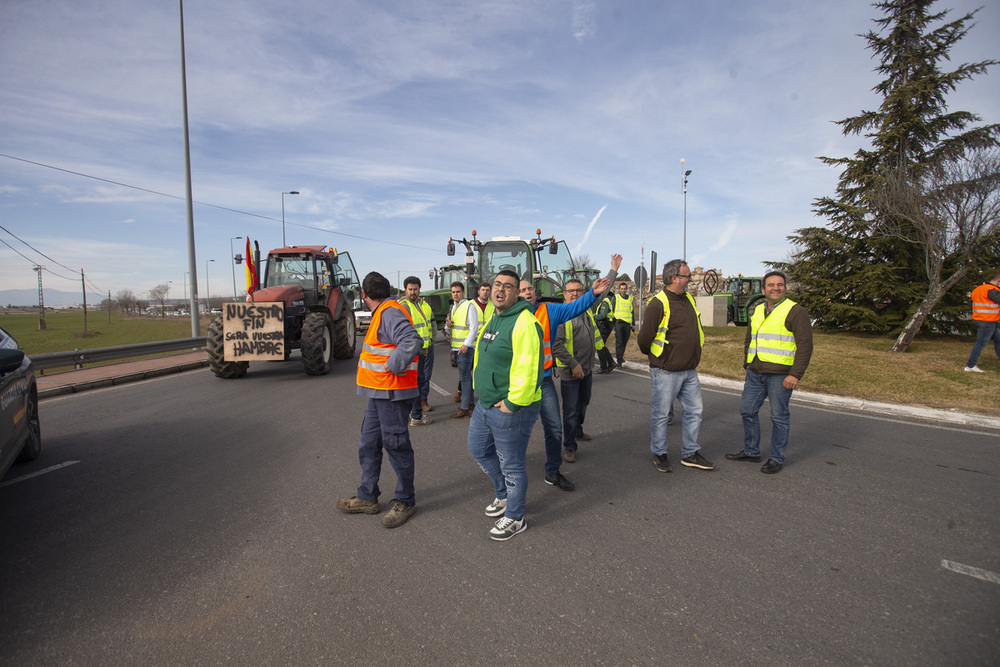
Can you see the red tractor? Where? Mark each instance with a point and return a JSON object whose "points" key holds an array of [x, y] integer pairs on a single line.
{"points": [[313, 291]]}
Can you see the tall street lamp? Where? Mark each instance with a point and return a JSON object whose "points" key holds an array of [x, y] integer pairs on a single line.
{"points": [[208, 289], [232, 260], [293, 192], [684, 190]]}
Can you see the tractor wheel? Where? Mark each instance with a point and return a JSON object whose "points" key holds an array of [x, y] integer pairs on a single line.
{"points": [[751, 304], [227, 370], [317, 344], [345, 335]]}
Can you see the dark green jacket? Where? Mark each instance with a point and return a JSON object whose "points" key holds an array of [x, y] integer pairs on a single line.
{"points": [[509, 365]]}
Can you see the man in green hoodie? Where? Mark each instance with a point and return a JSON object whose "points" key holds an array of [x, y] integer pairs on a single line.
{"points": [[507, 378]]}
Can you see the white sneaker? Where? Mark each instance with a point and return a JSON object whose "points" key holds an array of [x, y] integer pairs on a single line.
{"points": [[497, 507], [423, 421], [974, 369], [507, 528]]}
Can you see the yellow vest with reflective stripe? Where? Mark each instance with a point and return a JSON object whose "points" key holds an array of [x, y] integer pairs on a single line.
{"points": [[598, 341], [770, 341], [623, 308], [656, 347], [422, 317], [460, 322]]}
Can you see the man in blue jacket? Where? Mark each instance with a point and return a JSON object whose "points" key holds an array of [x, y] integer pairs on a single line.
{"points": [[550, 316]]}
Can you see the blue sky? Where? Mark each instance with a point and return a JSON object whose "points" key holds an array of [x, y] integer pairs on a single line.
{"points": [[402, 123]]}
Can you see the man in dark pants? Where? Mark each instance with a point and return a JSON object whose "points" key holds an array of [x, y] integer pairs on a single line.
{"points": [[623, 321], [573, 349], [387, 375], [605, 325]]}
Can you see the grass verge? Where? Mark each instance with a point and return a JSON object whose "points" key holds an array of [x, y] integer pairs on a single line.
{"points": [[859, 366]]}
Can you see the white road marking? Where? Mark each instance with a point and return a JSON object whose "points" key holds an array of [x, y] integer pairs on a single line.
{"points": [[970, 571], [36, 474]]}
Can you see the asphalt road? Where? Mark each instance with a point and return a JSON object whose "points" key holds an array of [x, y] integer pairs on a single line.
{"points": [[191, 520]]}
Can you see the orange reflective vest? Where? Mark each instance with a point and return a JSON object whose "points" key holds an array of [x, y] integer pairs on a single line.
{"points": [[372, 372], [542, 315], [983, 309]]}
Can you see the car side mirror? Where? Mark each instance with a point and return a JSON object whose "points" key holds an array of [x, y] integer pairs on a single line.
{"points": [[10, 360]]}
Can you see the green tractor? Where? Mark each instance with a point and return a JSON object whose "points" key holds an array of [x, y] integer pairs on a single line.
{"points": [[547, 263], [744, 294], [439, 297]]}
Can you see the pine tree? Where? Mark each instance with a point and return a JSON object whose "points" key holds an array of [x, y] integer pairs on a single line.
{"points": [[849, 274]]}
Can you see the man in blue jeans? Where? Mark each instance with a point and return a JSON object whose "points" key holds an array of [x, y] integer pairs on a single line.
{"points": [[671, 337], [776, 354], [550, 316]]}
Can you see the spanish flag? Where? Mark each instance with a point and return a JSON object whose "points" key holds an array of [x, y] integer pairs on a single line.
{"points": [[253, 280]]}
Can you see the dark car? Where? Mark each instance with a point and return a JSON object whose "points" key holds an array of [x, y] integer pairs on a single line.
{"points": [[20, 432]]}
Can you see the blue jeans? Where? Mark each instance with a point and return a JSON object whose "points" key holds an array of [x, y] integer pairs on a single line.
{"points": [[498, 441], [666, 387], [425, 366], [551, 426], [985, 332], [385, 426], [465, 377], [576, 397], [756, 388]]}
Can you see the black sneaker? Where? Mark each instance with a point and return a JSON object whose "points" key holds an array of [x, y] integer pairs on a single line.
{"points": [[743, 456], [696, 460], [662, 463], [559, 480]]}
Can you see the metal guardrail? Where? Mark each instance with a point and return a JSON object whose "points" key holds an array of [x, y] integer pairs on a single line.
{"points": [[77, 358]]}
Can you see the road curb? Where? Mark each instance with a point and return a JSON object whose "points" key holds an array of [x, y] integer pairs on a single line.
{"points": [[862, 405], [77, 387]]}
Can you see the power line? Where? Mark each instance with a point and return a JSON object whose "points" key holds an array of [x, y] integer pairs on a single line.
{"points": [[222, 208], [92, 285]]}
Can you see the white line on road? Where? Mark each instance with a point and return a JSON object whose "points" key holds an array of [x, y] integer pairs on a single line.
{"points": [[36, 474], [968, 570]]}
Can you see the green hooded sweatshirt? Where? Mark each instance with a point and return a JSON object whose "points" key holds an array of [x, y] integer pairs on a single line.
{"points": [[509, 364]]}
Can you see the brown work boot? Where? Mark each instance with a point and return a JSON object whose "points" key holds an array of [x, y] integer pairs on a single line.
{"points": [[398, 513], [460, 413], [458, 396], [354, 505], [569, 455], [426, 407]]}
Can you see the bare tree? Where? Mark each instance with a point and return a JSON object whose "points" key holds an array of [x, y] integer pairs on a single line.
{"points": [[949, 211], [126, 300], [583, 262], [159, 294]]}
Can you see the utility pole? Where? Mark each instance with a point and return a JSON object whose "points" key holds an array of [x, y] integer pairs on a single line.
{"points": [[84, 281], [41, 300]]}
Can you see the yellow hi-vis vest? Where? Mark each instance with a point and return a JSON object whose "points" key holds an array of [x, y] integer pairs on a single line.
{"points": [[422, 318], [770, 341], [656, 347], [598, 341], [460, 322], [623, 308]]}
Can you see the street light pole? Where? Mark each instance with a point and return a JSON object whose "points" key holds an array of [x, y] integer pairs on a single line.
{"points": [[293, 192], [684, 190], [208, 289], [186, 285], [232, 260]]}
